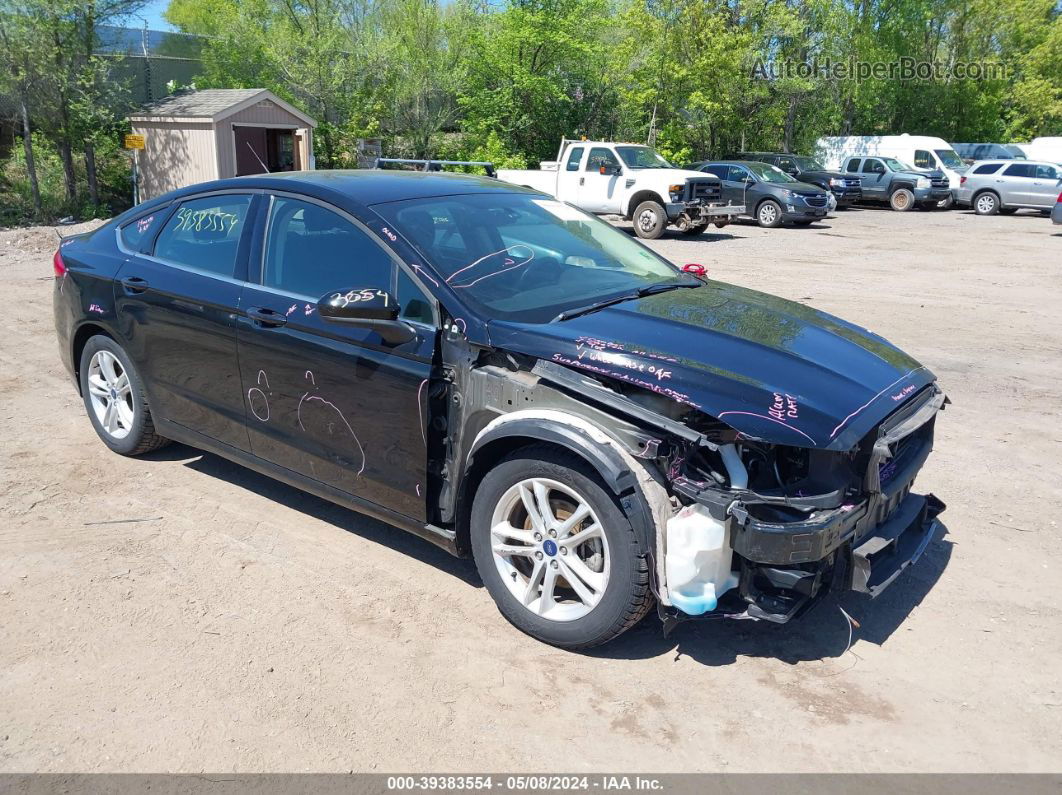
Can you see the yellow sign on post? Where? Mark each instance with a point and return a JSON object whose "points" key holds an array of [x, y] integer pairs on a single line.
{"points": [[134, 141]]}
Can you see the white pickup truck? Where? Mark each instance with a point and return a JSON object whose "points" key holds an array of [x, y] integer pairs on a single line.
{"points": [[633, 181]]}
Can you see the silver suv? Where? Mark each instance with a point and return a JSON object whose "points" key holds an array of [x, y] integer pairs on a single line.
{"points": [[1006, 186]]}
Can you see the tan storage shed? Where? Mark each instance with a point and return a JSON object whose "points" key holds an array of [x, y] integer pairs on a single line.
{"points": [[216, 133]]}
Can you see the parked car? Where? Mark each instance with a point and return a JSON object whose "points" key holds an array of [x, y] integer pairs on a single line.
{"points": [[886, 179], [845, 188], [973, 152], [512, 379], [770, 195], [631, 181], [923, 153], [1006, 186]]}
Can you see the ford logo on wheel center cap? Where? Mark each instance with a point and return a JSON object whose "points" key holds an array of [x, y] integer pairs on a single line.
{"points": [[549, 546]]}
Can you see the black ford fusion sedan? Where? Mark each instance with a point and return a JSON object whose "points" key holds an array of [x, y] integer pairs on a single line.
{"points": [[512, 379]]}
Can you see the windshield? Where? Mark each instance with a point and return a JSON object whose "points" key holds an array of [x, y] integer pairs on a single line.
{"points": [[768, 173], [642, 157], [896, 165], [809, 164], [526, 258], [949, 158]]}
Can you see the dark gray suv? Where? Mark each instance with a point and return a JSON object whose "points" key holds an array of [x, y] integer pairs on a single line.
{"points": [[770, 195]]}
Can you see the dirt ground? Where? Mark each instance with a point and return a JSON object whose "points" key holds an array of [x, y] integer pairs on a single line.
{"points": [[240, 625]]}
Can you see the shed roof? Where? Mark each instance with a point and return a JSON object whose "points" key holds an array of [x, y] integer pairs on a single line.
{"points": [[212, 104]]}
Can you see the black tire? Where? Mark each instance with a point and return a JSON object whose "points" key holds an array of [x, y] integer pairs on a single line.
{"points": [[650, 220], [986, 203], [693, 231], [901, 200], [769, 214], [626, 597], [1008, 210], [140, 437], [1045, 213]]}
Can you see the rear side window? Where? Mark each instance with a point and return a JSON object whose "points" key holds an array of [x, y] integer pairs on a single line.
{"points": [[987, 168], [1046, 172], [311, 250], [1019, 170], [723, 172], [922, 159], [574, 157], [853, 165], [134, 233], [785, 163], [205, 233]]}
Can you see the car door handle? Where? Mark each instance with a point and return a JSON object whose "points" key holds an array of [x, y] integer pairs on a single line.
{"points": [[266, 318], [582, 180], [134, 284]]}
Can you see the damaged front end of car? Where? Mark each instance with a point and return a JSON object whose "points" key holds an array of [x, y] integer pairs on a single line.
{"points": [[738, 525]]}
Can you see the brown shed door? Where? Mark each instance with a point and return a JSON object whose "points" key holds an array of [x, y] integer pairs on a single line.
{"points": [[251, 150]]}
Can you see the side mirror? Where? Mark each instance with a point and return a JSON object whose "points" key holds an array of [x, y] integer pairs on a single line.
{"points": [[610, 170], [367, 308]]}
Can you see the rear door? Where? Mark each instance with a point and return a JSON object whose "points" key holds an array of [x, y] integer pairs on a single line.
{"points": [[176, 305], [329, 401], [1016, 185], [570, 174]]}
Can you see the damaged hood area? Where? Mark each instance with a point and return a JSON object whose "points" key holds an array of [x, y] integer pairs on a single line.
{"points": [[772, 369]]}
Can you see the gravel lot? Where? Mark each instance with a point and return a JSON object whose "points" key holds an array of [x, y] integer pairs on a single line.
{"points": [[240, 625]]}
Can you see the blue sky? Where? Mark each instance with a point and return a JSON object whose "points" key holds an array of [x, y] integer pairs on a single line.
{"points": [[153, 14]]}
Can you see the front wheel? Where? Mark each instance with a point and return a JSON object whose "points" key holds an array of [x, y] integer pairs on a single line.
{"points": [[650, 220], [901, 200], [556, 552], [769, 215], [115, 400]]}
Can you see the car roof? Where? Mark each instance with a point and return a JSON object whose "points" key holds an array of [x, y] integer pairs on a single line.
{"points": [[366, 186]]}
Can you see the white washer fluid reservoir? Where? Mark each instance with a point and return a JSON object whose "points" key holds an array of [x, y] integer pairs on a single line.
{"points": [[697, 560]]}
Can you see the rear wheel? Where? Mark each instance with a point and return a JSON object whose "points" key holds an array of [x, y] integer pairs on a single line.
{"points": [[556, 552], [986, 203], [650, 220], [901, 200], [114, 398], [769, 214]]}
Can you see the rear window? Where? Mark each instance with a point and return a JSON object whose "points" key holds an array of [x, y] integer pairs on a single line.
{"points": [[134, 233], [204, 233], [1018, 170], [853, 164], [988, 168]]}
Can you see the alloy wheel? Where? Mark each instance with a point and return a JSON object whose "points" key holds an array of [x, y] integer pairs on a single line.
{"points": [[985, 204], [647, 221], [768, 214], [111, 394], [550, 549]]}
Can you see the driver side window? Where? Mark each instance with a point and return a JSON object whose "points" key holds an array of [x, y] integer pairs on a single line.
{"points": [[311, 250], [599, 156], [872, 166]]}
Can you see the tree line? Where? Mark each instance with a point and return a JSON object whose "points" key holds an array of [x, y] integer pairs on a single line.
{"points": [[504, 80]]}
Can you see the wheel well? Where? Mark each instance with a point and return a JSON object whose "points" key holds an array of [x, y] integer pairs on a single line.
{"points": [[982, 192], [486, 458], [894, 188], [642, 196], [81, 337]]}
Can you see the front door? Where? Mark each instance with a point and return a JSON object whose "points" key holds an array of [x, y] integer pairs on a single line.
{"points": [[176, 308], [875, 179], [600, 193], [330, 401]]}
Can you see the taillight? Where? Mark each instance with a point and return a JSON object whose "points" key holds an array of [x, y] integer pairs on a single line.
{"points": [[1060, 198], [58, 265], [962, 180], [695, 268]]}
